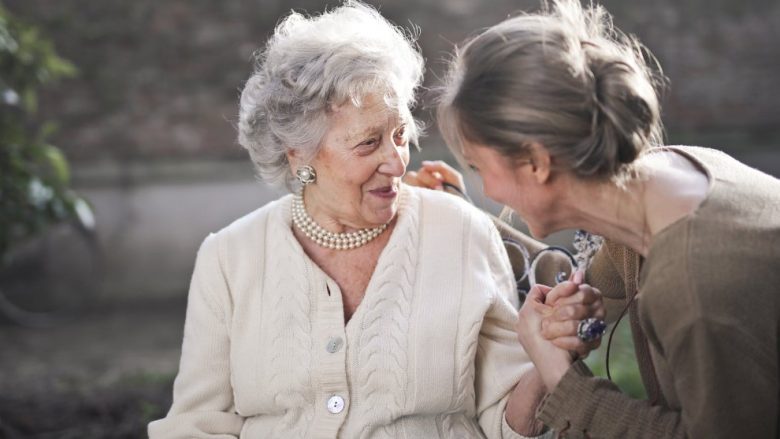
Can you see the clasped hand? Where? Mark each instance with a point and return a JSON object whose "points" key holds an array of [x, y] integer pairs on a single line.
{"points": [[548, 322]]}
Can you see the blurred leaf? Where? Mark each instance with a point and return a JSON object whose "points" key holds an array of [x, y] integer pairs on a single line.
{"points": [[46, 130], [7, 42], [84, 214], [30, 100], [58, 164], [34, 175]]}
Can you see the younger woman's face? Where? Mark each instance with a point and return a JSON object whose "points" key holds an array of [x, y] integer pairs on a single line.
{"points": [[513, 183]]}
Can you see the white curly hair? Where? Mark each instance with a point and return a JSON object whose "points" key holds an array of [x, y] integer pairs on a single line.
{"points": [[312, 63]]}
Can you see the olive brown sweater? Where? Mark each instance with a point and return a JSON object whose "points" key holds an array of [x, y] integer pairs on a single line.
{"points": [[705, 320]]}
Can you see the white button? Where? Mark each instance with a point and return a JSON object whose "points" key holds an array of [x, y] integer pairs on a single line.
{"points": [[334, 344], [335, 404]]}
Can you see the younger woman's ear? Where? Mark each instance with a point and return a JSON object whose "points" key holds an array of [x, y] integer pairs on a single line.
{"points": [[541, 162]]}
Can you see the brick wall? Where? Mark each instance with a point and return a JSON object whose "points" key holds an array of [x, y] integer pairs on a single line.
{"points": [[161, 78]]}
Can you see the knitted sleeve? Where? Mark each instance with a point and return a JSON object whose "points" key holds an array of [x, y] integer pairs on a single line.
{"points": [[500, 359], [202, 393], [585, 406], [718, 376]]}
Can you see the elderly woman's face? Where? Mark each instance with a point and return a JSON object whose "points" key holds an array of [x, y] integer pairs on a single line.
{"points": [[360, 163]]}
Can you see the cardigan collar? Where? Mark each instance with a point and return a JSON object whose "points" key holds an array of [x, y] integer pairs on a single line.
{"points": [[394, 259]]}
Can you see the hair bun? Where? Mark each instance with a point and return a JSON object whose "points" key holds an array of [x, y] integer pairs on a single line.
{"points": [[624, 107], [564, 78]]}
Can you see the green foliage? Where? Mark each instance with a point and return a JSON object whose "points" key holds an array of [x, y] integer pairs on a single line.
{"points": [[34, 175], [622, 361]]}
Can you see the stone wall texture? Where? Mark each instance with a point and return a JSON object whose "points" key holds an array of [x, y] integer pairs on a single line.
{"points": [[161, 78]]}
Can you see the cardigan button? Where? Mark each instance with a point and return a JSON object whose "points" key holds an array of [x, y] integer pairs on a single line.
{"points": [[335, 404], [334, 344]]}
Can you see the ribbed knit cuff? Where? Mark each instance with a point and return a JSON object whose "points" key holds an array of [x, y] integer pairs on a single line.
{"points": [[565, 401], [508, 433]]}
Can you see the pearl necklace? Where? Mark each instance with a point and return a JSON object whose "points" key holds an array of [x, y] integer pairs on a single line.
{"points": [[324, 238]]}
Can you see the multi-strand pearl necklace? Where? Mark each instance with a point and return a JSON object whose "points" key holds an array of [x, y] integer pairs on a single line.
{"points": [[324, 238]]}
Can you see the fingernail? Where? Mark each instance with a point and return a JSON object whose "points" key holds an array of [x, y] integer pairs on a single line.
{"points": [[426, 162], [579, 276]]}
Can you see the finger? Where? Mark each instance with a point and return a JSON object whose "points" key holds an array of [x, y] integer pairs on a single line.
{"points": [[578, 312], [536, 300], [575, 344], [563, 289], [536, 294], [572, 312], [544, 289], [586, 348], [584, 294], [552, 329], [578, 276], [533, 310], [450, 174], [428, 180], [442, 167], [599, 312], [410, 178]]}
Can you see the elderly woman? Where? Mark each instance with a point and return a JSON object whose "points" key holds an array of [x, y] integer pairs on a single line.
{"points": [[558, 114], [358, 307]]}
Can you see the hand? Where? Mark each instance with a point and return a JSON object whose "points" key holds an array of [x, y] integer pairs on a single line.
{"points": [[551, 361], [432, 174], [572, 302]]}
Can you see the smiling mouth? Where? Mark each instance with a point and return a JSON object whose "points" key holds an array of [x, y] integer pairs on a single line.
{"points": [[384, 192]]}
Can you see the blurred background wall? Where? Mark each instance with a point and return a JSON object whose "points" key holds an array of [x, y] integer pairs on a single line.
{"points": [[148, 123], [148, 127]]}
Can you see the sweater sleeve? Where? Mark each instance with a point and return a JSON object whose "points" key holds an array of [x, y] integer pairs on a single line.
{"points": [[500, 362], [723, 374], [582, 403], [202, 393], [500, 358], [720, 377]]}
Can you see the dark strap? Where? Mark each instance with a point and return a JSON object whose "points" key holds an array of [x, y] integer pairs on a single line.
{"points": [[641, 345]]}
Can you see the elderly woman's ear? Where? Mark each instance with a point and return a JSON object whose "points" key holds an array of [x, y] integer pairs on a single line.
{"points": [[294, 159]]}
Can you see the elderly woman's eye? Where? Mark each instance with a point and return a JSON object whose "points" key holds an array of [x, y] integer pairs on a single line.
{"points": [[400, 136], [368, 142], [473, 168]]}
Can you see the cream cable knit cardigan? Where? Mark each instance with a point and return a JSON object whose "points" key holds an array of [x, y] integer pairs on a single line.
{"points": [[430, 352]]}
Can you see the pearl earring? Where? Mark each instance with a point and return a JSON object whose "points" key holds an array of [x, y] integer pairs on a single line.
{"points": [[306, 175]]}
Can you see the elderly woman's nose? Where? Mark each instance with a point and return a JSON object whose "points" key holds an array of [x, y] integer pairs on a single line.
{"points": [[393, 161]]}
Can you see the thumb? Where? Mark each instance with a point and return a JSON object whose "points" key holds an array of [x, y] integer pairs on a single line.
{"points": [[538, 293], [537, 297]]}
